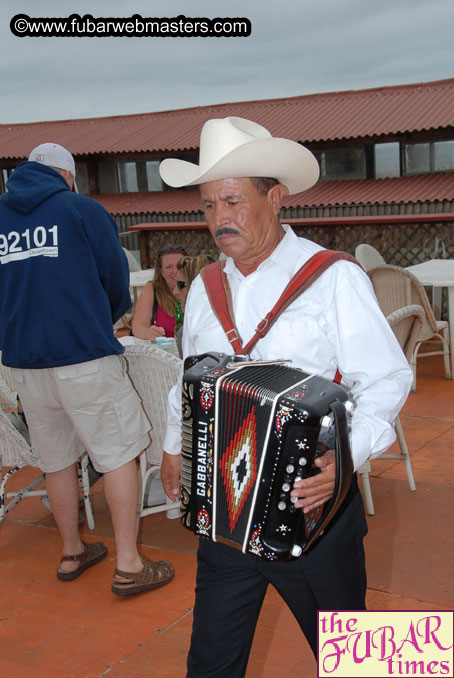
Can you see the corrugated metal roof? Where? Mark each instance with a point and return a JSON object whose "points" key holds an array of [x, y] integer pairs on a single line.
{"points": [[309, 118], [424, 188], [421, 188], [166, 202]]}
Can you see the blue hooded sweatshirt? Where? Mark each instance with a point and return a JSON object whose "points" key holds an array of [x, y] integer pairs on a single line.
{"points": [[64, 278]]}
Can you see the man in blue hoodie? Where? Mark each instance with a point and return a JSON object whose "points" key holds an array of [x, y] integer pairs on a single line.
{"points": [[65, 282]]}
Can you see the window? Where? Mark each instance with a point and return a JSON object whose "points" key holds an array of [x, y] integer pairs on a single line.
{"points": [[387, 160], [153, 177], [427, 157], [127, 177], [443, 156], [417, 158], [342, 163], [139, 176]]}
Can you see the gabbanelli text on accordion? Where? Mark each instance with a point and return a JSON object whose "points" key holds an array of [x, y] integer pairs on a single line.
{"points": [[249, 430]]}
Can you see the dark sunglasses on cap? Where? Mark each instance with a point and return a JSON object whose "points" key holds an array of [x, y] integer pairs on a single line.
{"points": [[181, 284]]}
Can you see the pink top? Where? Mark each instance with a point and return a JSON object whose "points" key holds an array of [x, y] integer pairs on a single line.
{"points": [[165, 321]]}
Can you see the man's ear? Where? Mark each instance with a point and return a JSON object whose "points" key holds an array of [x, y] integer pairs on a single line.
{"points": [[68, 177], [276, 195]]}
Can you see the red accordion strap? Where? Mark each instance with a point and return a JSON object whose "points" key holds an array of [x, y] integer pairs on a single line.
{"points": [[219, 295]]}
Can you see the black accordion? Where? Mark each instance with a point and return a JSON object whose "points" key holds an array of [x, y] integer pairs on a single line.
{"points": [[249, 430]]}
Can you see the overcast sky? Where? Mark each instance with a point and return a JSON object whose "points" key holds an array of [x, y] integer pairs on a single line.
{"points": [[296, 47]]}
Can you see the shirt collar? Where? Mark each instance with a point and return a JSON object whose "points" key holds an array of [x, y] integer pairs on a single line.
{"points": [[284, 256]]}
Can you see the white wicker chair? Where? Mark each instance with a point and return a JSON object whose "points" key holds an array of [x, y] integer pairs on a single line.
{"points": [[17, 452], [368, 256], [396, 287], [153, 373], [406, 324], [8, 397]]}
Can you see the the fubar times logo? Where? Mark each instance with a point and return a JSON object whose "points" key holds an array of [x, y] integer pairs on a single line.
{"points": [[395, 644]]}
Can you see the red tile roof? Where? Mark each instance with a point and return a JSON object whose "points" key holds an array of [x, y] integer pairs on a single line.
{"points": [[309, 118], [419, 189]]}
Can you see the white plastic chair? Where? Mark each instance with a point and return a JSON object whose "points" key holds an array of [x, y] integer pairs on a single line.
{"points": [[133, 264], [153, 373], [124, 323], [406, 324]]}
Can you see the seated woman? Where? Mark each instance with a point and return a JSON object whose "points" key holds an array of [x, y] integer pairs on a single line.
{"points": [[188, 268], [154, 314]]}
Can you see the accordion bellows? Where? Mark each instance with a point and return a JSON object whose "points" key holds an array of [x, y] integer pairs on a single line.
{"points": [[249, 429]]}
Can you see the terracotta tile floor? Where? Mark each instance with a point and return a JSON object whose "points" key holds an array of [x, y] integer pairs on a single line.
{"points": [[51, 629]]}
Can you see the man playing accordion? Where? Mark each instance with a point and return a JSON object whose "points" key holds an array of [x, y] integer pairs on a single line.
{"points": [[334, 326]]}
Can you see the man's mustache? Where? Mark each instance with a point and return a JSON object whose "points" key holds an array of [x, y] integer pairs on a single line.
{"points": [[226, 230]]}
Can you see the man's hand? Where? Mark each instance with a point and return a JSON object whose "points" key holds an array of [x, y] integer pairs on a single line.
{"points": [[316, 490], [170, 475]]}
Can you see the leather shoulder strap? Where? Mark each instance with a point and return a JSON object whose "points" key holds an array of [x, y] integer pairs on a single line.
{"points": [[218, 291], [303, 278], [219, 295]]}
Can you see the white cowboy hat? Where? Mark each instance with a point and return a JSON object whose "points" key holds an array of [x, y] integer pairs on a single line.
{"points": [[235, 147]]}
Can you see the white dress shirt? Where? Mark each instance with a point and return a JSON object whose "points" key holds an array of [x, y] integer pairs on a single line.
{"points": [[335, 324]]}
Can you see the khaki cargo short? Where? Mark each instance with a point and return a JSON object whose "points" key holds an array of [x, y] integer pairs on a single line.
{"points": [[89, 406]]}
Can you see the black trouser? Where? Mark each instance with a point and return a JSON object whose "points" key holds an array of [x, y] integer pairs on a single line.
{"points": [[231, 587]]}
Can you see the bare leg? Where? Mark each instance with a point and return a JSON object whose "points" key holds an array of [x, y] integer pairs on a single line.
{"points": [[63, 492], [122, 490]]}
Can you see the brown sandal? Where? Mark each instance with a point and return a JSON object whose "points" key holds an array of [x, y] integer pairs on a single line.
{"points": [[91, 555], [153, 575]]}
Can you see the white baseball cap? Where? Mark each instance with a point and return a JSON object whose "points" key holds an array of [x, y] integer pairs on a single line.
{"points": [[54, 155]]}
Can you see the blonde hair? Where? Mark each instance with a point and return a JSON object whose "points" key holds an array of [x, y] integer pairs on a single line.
{"points": [[191, 266], [164, 295]]}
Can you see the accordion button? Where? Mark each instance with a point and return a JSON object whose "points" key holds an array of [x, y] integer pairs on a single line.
{"points": [[282, 506], [296, 551], [289, 468], [348, 406], [302, 461], [297, 478], [286, 487], [293, 500]]}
